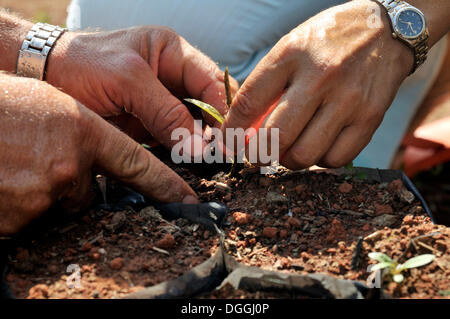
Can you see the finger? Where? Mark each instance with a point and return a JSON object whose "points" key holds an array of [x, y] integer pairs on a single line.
{"points": [[350, 142], [317, 137], [259, 91], [160, 112], [184, 68], [117, 155], [293, 112]]}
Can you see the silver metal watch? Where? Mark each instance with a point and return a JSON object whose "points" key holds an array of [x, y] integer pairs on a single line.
{"points": [[35, 50], [409, 25]]}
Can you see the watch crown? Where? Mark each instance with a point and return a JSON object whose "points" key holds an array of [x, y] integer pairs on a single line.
{"points": [[394, 35]]}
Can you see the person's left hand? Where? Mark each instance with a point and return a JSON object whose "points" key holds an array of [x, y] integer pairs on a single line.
{"points": [[142, 71]]}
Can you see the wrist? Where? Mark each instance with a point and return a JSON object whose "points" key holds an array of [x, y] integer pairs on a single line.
{"points": [[401, 54], [58, 58], [12, 35]]}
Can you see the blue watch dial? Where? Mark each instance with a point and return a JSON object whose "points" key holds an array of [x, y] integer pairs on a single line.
{"points": [[410, 23]]}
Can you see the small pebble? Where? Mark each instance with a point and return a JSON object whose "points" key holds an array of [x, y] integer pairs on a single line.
{"points": [[116, 263], [345, 188], [270, 232]]}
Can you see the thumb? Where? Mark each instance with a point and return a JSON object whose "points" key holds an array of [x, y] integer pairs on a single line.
{"points": [[119, 156]]}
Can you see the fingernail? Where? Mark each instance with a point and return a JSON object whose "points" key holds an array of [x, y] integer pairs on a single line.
{"points": [[189, 199]]}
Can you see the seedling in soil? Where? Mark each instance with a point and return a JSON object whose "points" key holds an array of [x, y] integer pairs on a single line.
{"points": [[211, 110], [351, 174], [394, 268]]}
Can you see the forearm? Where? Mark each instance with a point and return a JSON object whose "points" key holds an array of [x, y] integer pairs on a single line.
{"points": [[12, 33]]}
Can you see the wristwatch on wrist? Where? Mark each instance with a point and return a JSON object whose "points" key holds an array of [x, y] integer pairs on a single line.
{"points": [[409, 25], [35, 50]]}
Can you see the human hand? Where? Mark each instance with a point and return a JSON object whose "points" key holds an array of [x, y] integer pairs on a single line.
{"points": [[50, 145], [335, 75], [142, 71]]}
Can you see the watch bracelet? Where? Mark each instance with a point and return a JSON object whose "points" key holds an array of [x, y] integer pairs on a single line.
{"points": [[419, 45], [35, 49]]}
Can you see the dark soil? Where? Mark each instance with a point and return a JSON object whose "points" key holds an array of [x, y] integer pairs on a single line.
{"points": [[307, 222], [118, 253], [295, 222]]}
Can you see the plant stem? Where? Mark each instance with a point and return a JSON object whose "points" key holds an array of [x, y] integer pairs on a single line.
{"points": [[226, 80]]}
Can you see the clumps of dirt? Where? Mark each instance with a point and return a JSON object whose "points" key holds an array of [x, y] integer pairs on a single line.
{"points": [[295, 222], [112, 255], [413, 237], [310, 222]]}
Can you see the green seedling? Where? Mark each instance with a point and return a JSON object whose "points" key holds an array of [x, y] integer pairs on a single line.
{"points": [[395, 269], [351, 173], [211, 110]]}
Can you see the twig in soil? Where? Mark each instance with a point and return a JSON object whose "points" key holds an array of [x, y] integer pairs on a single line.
{"points": [[289, 208], [412, 242], [428, 247], [66, 229], [257, 251], [347, 212], [153, 213], [375, 236], [101, 180], [159, 250], [95, 239], [357, 253], [170, 224], [238, 255], [220, 232]]}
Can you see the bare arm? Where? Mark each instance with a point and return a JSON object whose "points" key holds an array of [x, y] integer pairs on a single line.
{"points": [[12, 33]]}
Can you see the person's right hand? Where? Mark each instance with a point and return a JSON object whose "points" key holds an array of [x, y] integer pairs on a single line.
{"points": [[51, 143], [140, 71]]}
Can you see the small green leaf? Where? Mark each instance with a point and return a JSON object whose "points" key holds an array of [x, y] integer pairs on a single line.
{"points": [[362, 175], [349, 166], [211, 110], [381, 257], [418, 261], [398, 278], [381, 265]]}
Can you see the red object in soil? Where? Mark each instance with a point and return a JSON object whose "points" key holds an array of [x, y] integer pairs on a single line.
{"points": [[168, 241]]}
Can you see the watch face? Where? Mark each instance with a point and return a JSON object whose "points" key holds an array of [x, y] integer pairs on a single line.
{"points": [[410, 23]]}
